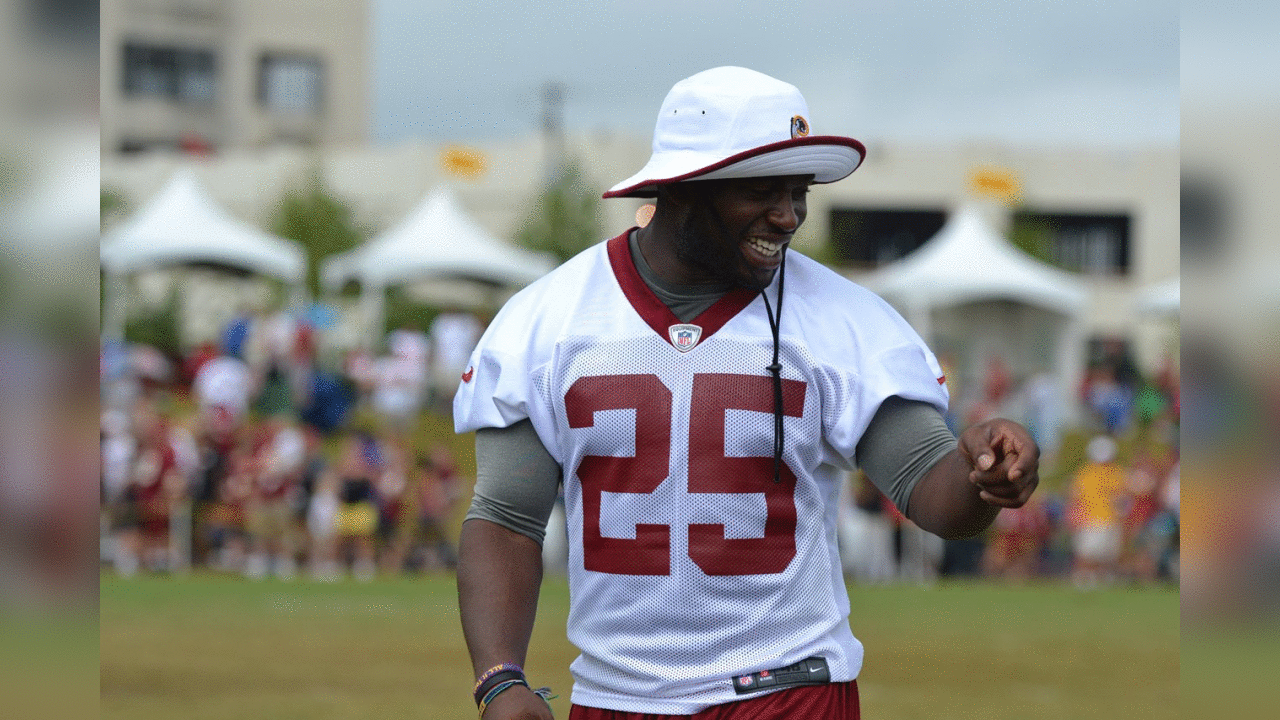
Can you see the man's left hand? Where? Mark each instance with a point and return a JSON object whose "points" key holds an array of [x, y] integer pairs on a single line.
{"points": [[1004, 462]]}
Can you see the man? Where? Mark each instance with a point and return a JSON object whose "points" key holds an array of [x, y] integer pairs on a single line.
{"points": [[1095, 497], [700, 426], [279, 457]]}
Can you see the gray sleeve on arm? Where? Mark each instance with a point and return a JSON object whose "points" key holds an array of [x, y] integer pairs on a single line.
{"points": [[904, 440], [516, 480]]}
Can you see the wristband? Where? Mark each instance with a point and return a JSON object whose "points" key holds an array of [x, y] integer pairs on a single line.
{"points": [[498, 690], [496, 680], [507, 670]]}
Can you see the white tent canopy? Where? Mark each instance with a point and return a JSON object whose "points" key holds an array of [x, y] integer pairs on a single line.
{"points": [[436, 242], [968, 261], [436, 239], [182, 224]]}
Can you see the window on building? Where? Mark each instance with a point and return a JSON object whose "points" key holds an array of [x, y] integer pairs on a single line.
{"points": [[874, 237], [1093, 244], [183, 75], [291, 83]]}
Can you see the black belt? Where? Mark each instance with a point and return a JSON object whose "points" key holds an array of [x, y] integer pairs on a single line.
{"points": [[810, 671]]}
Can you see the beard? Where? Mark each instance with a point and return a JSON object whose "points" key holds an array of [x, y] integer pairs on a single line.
{"points": [[704, 241]]}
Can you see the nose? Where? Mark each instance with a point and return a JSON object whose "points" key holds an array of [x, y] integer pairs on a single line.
{"points": [[785, 215]]}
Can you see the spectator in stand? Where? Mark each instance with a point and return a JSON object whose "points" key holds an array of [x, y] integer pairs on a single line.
{"points": [[994, 394], [216, 440], [226, 518], [329, 399], [358, 368], [303, 365], [412, 343], [1095, 501], [357, 470], [1043, 413], [277, 341], [155, 484], [438, 493], [118, 448], [313, 467], [186, 449], [393, 510], [1110, 400], [117, 385], [1142, 486], [454, 334], [399, 386], [322, 528], [224, 387], [1167, 382], [235, 335], [199, 355], [279, 454]]}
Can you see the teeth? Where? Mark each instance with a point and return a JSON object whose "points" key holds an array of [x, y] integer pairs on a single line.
{"points": [[764, 247]]}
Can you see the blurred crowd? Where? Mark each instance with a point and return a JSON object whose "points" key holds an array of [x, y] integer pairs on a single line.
{"points": [[1108, 507], [248, 455]]}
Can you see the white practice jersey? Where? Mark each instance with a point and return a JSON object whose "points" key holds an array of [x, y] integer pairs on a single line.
{"points": [[689, 565]]}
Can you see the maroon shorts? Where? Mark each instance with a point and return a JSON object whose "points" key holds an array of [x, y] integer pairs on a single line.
{"points": [[835, 701]]}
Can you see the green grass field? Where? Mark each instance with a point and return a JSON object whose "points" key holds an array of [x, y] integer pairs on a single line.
{"points": [[206, 647]]}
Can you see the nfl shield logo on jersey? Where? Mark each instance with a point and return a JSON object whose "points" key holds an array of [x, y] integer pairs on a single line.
{"points": [[684, 336]]}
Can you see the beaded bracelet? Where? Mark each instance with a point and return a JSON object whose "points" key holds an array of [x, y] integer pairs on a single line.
{"points": [[498, 690], [542, 692]]}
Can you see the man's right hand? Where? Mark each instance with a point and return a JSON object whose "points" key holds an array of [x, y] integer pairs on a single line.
{"points": [[518, 703]]}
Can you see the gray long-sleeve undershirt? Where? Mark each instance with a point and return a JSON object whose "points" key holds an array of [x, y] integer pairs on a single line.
{"points": [[517, 480]]}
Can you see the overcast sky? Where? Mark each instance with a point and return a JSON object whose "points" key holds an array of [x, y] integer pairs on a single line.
{"points": [[1095, 72]]}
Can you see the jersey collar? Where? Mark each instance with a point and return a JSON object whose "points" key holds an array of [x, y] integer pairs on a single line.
{"points": [[653, 311]]}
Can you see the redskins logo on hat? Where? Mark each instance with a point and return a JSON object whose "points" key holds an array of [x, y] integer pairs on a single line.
{"points": [[799, 126]]}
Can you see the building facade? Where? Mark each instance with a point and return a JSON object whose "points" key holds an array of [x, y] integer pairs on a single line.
{"points": [[208, 76]]}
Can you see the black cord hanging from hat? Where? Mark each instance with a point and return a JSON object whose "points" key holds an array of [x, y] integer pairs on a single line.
{"points": [[776, 368]]}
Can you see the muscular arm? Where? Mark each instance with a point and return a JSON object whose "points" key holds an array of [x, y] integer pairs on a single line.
{"points": [[902, 442], [500, 558], [946, 504], [944, 485], [499, 573]]}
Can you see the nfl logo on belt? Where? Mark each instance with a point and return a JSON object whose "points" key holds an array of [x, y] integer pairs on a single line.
{"points": [[684, 336]]}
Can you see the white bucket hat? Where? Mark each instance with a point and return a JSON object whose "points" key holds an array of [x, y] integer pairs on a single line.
{"points": [[731, 122]]}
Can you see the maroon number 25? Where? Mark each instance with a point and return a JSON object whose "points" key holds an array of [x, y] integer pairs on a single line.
{"points": [[710, 471]]}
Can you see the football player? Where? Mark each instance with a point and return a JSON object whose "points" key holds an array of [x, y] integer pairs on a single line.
{"points": [[699, 389]]}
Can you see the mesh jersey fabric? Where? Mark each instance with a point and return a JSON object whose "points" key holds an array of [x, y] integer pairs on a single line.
{"points": [[688, 564]]}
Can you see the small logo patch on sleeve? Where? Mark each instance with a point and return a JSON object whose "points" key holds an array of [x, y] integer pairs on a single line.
{"points": [[466, 376]]}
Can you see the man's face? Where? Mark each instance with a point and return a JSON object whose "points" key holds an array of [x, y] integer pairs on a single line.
{"points": [[737, 230]]}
